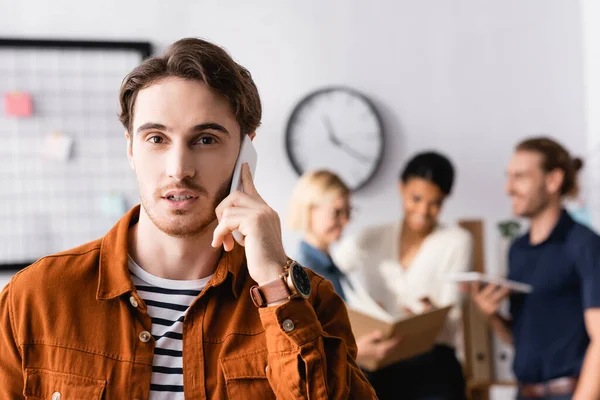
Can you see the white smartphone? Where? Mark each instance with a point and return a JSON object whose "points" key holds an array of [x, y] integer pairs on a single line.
{"points": [[247, 155]]}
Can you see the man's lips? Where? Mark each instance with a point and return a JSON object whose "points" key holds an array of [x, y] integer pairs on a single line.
{"points": [[178, 194]]}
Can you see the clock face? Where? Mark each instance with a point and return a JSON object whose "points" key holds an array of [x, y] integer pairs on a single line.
{"points": [[337, 129]]}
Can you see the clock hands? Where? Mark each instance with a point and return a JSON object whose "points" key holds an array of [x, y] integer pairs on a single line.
{"points": [[338, 143]]}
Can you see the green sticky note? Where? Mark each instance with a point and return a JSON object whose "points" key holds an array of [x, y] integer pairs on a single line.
{"points": [[113, 205]]}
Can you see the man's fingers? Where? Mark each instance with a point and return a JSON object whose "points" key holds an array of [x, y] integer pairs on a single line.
{"points": [[222, 234], [232, 212], [237, 199], [248, 182], [499, 294], [488, 290]]}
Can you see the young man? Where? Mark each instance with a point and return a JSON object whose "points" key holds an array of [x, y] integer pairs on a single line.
{"points": [[167, 305], [556, 328]]}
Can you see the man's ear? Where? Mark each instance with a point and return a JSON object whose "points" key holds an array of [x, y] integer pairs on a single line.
{"points": [[129, 149], [554, 180], [252, 135]]}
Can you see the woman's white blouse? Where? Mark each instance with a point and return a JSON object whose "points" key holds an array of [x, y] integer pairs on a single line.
{"points": [[371, 259]]}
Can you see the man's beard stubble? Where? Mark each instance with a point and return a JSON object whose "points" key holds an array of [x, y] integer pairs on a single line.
{"points": [[195, 224], [536, 204]]}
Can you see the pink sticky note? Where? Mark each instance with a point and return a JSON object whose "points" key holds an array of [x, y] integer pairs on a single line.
{"points": [[18, 104]]}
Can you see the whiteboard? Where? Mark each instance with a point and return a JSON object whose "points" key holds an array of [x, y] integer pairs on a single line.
{"points": [[49, 205]]}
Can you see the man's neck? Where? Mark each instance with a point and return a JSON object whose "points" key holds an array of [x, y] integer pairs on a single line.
{"points": [[169, 257], [544, 222]]}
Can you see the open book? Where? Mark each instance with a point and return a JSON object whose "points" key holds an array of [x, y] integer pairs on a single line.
{"points": [[418, 332]]}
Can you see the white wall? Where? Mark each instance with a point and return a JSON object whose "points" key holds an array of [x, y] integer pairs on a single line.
{"points": [[467, 77], [4, 278], [590, 11]]}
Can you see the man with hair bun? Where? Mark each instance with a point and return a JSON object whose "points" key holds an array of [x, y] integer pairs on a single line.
{"points": [[555, 329]]}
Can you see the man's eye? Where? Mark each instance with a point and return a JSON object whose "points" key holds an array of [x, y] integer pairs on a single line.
{"points": [[206, 140], [156, 139]]}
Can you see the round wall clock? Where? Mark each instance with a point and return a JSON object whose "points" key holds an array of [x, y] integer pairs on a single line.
{"points": [[337, 129]]}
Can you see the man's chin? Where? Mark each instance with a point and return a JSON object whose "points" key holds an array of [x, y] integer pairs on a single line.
{"points": [[182, 224], [522, 212], [519, 214], [184, 230]]}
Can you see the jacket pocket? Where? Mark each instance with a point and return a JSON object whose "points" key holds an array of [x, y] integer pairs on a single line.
{"points": [[246, 376], [41, 384]]}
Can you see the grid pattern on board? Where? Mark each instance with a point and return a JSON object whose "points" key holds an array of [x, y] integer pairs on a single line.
{"points": [[48, 203]]}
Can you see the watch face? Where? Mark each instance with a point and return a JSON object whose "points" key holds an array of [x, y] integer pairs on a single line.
{"points": [[337, 129], [301, 280]]}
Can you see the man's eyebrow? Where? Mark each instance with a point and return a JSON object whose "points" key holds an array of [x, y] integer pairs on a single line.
{"points": [[197, 128], [212, 126], [151, 125]]}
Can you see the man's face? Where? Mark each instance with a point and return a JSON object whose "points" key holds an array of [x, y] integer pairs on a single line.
{"points": [[528, 186], [183, 147]]}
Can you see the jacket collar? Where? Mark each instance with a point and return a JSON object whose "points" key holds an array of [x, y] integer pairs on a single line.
{"points": [[114, 277]]}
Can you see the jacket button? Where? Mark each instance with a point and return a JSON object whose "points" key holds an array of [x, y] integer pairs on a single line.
{"points": [[145, 336], [56, 396], [133, 301], [288, 325]]}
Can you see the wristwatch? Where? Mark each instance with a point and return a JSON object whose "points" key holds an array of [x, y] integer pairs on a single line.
{"points": [[292, 282]]}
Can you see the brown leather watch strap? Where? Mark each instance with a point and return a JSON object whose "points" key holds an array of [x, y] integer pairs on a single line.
{"points": [[270, 292]]}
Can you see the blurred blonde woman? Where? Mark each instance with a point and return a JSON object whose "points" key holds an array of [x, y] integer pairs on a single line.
{"points": [[320, 209]]}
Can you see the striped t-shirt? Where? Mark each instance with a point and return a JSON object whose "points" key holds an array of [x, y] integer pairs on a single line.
{"points": [[167, 301]]}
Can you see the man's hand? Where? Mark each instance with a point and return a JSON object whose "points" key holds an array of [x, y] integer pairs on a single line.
{"points": [[489, 299], [248, 213], [374, 346]]}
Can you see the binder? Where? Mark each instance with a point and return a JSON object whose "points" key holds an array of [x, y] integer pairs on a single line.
{"points": [[418, 333]]}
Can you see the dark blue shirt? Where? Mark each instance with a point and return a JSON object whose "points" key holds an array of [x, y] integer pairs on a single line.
{"points": [[548, 324], [322, 264]]}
